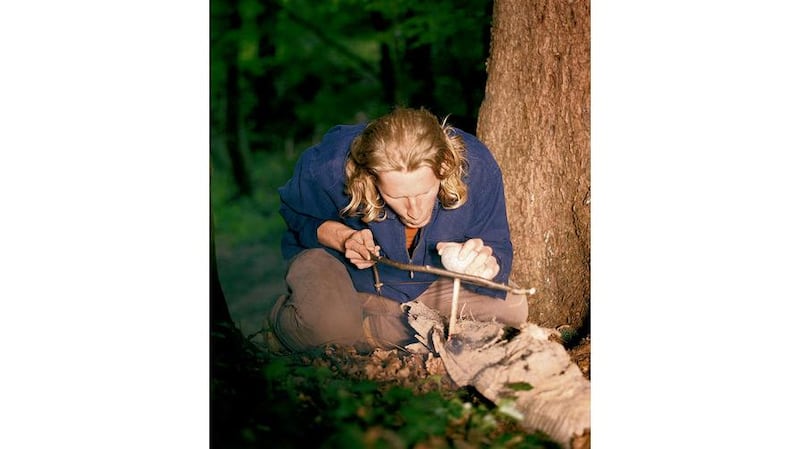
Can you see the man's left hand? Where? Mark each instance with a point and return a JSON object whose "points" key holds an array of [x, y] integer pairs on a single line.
{"points": [[471, 257]]}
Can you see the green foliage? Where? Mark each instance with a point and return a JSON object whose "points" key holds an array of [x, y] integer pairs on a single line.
{"points": [[569, 335], [262, 400], [519, 386], [332, 411], [243, 219]]}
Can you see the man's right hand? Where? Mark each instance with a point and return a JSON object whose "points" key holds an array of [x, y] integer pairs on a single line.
{"points": [[358, 247], [355, 245]]}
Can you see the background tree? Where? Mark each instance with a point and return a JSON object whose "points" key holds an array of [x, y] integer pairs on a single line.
{"points": [[227, 17], [535, 118]]}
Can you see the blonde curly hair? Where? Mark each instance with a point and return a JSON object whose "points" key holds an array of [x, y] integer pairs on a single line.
{"points": [[403, 140]]}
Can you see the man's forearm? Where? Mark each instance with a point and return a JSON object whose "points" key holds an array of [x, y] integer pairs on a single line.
{"points": [[333, 234]]}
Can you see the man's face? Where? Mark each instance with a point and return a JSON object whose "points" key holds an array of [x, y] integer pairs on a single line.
{"points": [[411, 195]]}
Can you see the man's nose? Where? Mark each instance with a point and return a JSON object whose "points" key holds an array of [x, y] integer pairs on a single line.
{"points": [[413, 207]]}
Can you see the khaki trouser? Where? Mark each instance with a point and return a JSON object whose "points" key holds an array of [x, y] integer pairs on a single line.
{"points": [[323, 308]]}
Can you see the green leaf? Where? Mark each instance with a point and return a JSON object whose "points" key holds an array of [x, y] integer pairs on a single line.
{"points": [[519, 386]]}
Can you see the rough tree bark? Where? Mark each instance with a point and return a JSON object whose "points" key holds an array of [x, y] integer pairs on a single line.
{"points": [[535, 119]]}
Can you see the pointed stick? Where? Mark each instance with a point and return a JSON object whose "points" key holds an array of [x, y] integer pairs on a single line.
{"points": [[454, 307]]}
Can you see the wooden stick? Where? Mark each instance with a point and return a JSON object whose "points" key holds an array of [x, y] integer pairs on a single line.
{"points": [[454, 307], [468, 278]]}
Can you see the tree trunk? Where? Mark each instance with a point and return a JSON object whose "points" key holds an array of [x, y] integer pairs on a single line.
{"points": [[220, 314], [535, 119], [386, 70], [420, 75], [233, 125]]}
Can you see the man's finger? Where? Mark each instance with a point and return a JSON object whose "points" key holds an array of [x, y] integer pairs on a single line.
{"points": [[470, 246], [480, 259], [442, 245], [490, 272]]}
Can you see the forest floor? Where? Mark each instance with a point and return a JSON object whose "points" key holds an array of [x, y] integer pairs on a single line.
{"points": [[285, 400]]}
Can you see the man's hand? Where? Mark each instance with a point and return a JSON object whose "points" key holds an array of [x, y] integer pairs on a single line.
{"points": [[358, 247], [355, 245], [471, 257]]}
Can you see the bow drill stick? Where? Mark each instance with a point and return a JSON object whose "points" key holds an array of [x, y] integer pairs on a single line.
{"points": [[468, 278]]}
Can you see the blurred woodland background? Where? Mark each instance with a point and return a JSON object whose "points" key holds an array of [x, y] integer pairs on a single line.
{"points": [[284, 71]]}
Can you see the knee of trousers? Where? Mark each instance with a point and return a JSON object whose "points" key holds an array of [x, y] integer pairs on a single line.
{"points": [[306, 328], [323, 306], [514, 310], [319, 284], [316, 266]]}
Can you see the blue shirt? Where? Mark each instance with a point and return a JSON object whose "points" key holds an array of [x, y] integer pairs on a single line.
{"points": [[315, 194]]}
